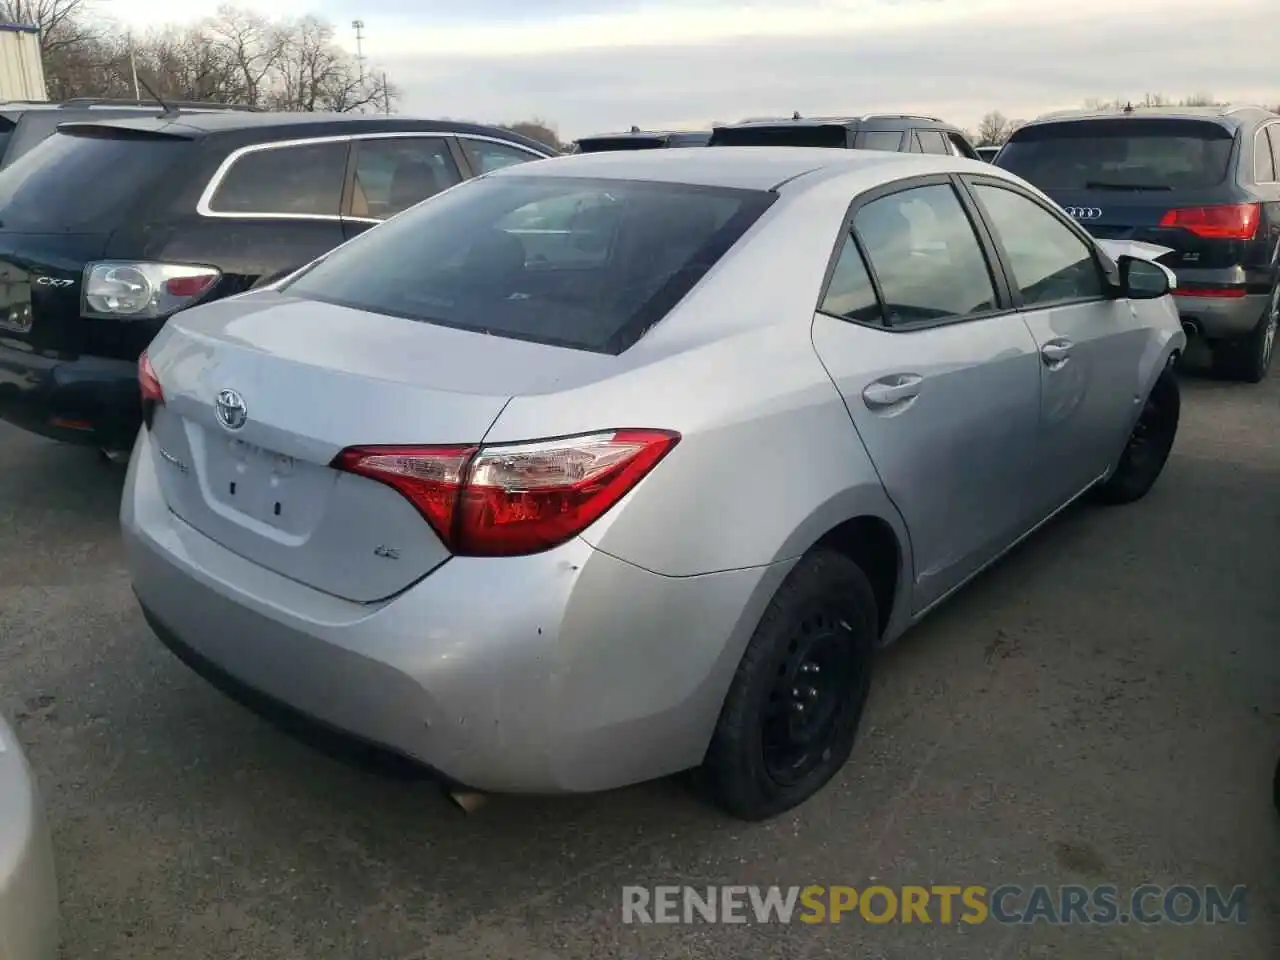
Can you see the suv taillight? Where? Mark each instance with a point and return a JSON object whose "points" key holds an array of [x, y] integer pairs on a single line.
{"points": [[1236, 221], [143, 291], [148, 382], [518, 498]]}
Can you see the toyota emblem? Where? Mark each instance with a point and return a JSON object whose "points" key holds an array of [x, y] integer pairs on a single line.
{"points": [[230, 408], [1085, 213]]}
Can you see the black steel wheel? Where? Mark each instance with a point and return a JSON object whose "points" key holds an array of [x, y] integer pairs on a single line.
{"points": [[1149, 444], [791, 716]]}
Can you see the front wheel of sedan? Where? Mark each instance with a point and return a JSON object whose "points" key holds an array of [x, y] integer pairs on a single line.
{"points": [[1149, 445], [791, 716]]}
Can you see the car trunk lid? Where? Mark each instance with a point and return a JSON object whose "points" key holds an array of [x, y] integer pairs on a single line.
{"points": [[40, 277], [314, 379]]}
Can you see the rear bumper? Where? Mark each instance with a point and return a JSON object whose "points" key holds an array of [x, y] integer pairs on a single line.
{"points": [[90, 400], [566, 671], [28, 888], [1222, 318]]}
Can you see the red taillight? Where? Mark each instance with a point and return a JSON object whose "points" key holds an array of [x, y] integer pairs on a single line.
{"points": [[190, 286], [148, 382], [1237, 221], [512, 499]]}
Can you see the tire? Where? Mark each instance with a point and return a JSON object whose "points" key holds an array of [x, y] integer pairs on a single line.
{"points": [[1249, 359], [1149, 445], [823, 617]]}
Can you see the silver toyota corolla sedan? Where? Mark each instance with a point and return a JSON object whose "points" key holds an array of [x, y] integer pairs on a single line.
{"points": [[28, 889], [594, 470]]}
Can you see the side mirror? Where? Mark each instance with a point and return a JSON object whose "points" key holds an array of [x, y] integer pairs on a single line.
{"points": [[1142, 279]]}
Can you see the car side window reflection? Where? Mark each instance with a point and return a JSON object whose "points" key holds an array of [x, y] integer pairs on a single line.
{"points": [[850, 294], [926, 256], [1050, 263]]}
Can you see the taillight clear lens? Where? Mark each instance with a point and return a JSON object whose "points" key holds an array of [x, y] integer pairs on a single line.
{"points": [[513, 499], [148, 382], [143, 290], [1237, 221]]}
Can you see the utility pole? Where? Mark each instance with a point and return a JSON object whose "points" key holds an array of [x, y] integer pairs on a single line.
{"points": [[133, 67], [358, 27]]}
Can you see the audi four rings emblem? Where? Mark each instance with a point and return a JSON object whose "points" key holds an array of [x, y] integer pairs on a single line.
{"points": [[1085, 213], [232, 413]]}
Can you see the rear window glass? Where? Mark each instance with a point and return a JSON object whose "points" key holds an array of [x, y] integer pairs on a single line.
{"points": [[601, 144], [6, 132], [39, 188], [588, 264], [797, 136], [1118, 154]]}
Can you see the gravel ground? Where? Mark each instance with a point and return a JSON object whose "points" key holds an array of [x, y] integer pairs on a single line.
{"points": [[1103, 707]]}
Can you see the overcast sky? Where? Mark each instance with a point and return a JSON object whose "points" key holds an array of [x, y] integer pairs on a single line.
{"points": [[594, 65]]}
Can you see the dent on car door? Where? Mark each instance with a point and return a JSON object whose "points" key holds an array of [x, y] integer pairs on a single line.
{"points": [[941, 382], [1093, 346]]}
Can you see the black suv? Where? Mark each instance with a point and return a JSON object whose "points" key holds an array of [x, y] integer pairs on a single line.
{"points": [[24, 123], [108, 228], [1203, 181], [895, 132], [637, 139]]}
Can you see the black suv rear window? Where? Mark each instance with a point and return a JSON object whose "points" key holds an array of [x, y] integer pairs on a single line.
{"points": [[803, 135], [602, 144], [1115, 154], [82, 180], [583, 263]]}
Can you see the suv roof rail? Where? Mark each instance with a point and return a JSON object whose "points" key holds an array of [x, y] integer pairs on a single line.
{"points": [[172, 104], [900, 116], [1208, 109]]}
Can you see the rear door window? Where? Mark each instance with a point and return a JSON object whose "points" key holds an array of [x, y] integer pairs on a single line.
{"points": [[931, 141], [926, 255], [394, 173], [1119, 154], [85, 179], [585, 264], [485, 155], [302, 179], [850, 294], [889, 140]]}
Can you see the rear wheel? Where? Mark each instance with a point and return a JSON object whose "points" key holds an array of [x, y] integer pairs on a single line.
{"points": [[1149, 444], [791, 716], [1249, 359]]}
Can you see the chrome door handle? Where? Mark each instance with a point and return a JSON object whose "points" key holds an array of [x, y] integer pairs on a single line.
{"points": [[889, 391], [1056, 352]]}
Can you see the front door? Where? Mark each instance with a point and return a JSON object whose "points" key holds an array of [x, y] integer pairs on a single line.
{"points": [[941, 380], [1091, 343]]}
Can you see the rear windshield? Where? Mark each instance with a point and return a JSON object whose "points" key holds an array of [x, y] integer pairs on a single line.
{"points": [[6, 133], [76, 181], [797, 136], [582, 263], [601, 144], [1118, 154]]}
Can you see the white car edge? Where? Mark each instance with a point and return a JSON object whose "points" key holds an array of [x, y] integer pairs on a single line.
{"points": [[28, 883]]}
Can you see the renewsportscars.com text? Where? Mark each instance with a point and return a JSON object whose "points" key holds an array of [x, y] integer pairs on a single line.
{"points": [[1005, 904]]}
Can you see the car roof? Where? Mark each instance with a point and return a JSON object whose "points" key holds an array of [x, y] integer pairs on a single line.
{"points": [[646, 134], [301, 125], [748, 168], [1232, 116]]}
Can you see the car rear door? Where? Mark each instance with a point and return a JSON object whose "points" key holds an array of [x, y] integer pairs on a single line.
{"points": [[1091, 343], [390, 174], [940, 376]]}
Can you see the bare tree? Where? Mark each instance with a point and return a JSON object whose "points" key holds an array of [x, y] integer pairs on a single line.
{"points": [[537, 129], [61, 22], [252, 43], [993, 129]]}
